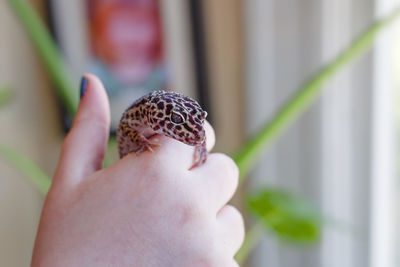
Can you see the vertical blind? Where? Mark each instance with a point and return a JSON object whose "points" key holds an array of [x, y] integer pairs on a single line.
{"points": [[340, 153]]}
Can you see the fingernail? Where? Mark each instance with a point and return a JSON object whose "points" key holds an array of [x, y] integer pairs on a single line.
{"points": [[84, 82]]}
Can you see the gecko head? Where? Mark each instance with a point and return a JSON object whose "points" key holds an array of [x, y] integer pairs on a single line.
{"points": [[179, 117]]}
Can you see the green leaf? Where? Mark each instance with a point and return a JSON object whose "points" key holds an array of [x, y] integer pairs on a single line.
{"points": [[21, 162], [290, 217], [5, 96]]}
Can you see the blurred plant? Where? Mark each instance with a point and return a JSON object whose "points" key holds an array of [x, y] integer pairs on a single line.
{"points": [[49, 52], [290, 217], [38, 177], [5, 96], [21, 162]]}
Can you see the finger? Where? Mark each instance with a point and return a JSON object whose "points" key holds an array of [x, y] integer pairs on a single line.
{"points": [[217, 179], [171, 152], [166, 154], [85, 145], [231, 228], [210, 135]]}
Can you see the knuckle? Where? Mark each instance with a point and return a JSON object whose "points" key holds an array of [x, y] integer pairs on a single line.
{"points": [[239, 223], [227, 163], [236, 214], [227, 168], [237, 227], [188, 212]]}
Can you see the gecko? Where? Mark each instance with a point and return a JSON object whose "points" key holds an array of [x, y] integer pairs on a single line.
{"points": [[166, 113]]}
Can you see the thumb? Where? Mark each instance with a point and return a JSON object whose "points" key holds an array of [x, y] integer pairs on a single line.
{"points": [[85, 145]]}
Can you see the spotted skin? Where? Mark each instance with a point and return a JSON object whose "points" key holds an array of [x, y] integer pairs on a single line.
{"points": [[167, 113]]}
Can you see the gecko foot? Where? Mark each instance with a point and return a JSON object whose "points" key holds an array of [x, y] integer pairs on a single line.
{"points": [[146, 146], [200, 155]]}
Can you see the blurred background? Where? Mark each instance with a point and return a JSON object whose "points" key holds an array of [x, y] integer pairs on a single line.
{"points": [[242, 60]]}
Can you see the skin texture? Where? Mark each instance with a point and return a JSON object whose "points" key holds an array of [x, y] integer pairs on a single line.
{"points": [[146, 210]]}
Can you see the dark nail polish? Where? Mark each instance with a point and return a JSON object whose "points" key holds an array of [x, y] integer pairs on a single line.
{"points": [[84, 82]]}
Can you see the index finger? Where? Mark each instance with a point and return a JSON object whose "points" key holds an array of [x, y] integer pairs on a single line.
{"points": [[173, 151], [177, 151]]}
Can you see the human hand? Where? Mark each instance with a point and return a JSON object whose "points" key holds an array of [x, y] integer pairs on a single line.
{"points": [[146, 210]]}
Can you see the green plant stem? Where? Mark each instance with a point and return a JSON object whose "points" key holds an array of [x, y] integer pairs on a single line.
{"points": [[48, 50], [35, 174], [250, 241], [251, 151]]}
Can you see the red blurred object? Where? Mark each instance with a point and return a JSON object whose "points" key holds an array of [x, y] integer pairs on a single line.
{"points": [[126, 36]]}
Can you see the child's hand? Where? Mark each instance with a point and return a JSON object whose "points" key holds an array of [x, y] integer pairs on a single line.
{"points": [[142, 211]]}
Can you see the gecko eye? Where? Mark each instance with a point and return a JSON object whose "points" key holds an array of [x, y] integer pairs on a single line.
{"points": [[177, 118]]}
